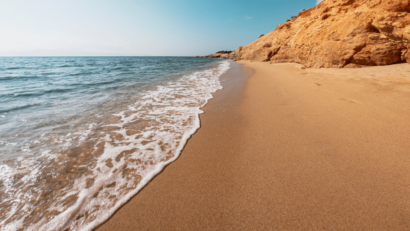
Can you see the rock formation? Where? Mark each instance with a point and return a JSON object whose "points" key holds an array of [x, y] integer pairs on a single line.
{"points": [[220, 54], [338, 33]]}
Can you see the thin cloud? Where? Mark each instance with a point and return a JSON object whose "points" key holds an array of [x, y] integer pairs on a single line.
{"points": [[318, 1], [248, 17]]}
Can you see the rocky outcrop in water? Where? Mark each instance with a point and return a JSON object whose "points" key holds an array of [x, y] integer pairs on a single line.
{"points": [[338, 33]]}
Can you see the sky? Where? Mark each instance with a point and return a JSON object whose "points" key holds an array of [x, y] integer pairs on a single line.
{"points": [[137, 27]]}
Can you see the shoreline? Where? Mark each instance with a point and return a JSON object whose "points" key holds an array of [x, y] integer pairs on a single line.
{"points": [[220, 105], [292, 149]]}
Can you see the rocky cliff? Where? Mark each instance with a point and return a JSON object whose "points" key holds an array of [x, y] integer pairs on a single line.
{"points": [[338, 33]]}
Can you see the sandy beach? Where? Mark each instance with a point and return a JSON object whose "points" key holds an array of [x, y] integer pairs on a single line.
{"points": [[287, 148]]}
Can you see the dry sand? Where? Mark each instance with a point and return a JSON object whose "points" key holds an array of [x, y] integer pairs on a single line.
{"points": [[293, 149]]}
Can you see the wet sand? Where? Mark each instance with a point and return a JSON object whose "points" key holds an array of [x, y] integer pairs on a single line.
{"points": [[289, 149]]}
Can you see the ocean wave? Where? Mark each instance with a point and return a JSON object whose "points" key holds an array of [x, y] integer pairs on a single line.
{"points": [[95, 170], [17, 78], [117, 68], [19, 108], [36, 94], [81, 73], [14, 68], [97, 84], [145, 67]]}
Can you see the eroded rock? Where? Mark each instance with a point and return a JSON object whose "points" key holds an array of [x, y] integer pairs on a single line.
{"points": [[337, 33]]}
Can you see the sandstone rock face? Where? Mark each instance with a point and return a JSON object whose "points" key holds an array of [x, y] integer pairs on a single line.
{"points": [[338, 33]]}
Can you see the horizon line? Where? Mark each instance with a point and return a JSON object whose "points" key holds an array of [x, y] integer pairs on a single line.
{"points": [[5, 56]]}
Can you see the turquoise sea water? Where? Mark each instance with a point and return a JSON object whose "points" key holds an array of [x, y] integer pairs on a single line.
{"points": [[80, 135]]}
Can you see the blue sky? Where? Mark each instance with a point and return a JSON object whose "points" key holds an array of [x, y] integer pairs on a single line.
{"points": [[136, 27]]}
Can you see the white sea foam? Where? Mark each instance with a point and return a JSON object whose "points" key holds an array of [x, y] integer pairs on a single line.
{"points": [[147, 137]]}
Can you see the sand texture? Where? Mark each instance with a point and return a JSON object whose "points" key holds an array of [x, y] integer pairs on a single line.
{"points": [[292, 149]]}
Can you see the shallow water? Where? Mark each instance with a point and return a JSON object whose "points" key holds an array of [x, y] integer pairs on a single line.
{"points": [[79, 136]]}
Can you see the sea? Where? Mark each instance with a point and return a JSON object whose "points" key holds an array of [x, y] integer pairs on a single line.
{"points": [[80, 136]]}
